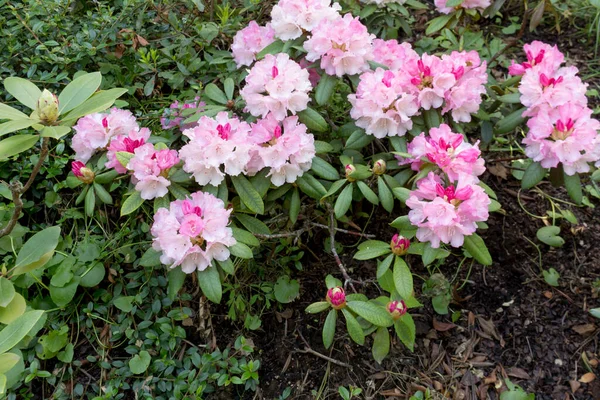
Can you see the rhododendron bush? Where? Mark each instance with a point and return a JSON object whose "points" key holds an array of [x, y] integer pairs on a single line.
{"points": [[317, 119]]}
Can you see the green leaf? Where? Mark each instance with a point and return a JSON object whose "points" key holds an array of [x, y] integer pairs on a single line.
{"points": [[358, 140], [511, 98], [140, 362], [229, 86], [36, 248], [61, 296], [124, 303], [78, 91], [12, 334], [214, 93], [93, 275], [132, 203], [329, 328], [178, 191], [55, 132], [7, 292], [252, 224], [406, 331], [317, 307], [322, 147], [325, 89], [227, 266], [551, 277], [437, 24], [332, 282], [510, 122], [16, 144], [343, 202], [7, 361], [476, 247], [385, 195], [16, 125], [241, 250], [403, 279], [175, 279], [311, 186], [286, 290], [295, 205], [100, 101], [273, 48], [371, 249], [375, 314], [432, 118], [7, 112], [13, 310], [354, 329], [550, 236], [384, 266], [323, 169], [595, 312], [368, 192], [313, 120], [533, 175], [210, 283], [123, 157], [106, 177], [381, 344], [150, 258], [335, 187], [245, 237], [90, 202], [102, 194], [23, 90], [401, 193], [248, 194], [573, 185]]}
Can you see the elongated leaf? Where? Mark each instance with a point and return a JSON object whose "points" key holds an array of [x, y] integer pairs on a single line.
{"points": [[55, 132], [510, 122], [329, 328], [34, 265], [533, 175], [354, 329], [16, 144], [375, 314], [317, 307], [371, 249], [229, 86], [7, 112], [7, 292], [210, 283], [437, 24], [102, 194], [403, 279], [7, 361], [295, 205], [37, 246], [23, 90], [385, 195], [343, 202], [241, 250], [252, 224], [573, 185], [214, 93], [78, 91], [325, 89], [406, 330], [313, 120], [176, 279], [368, 192], [311, 186], [132, 203], [323, 169], [90, 202], [12, 334], [13, 310], [100, 101], [381, 344], [16, 125], [475, 245], [248, 194]]}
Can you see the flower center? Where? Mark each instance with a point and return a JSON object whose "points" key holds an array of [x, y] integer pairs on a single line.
{"points": [[563, 130], [338, 46]]}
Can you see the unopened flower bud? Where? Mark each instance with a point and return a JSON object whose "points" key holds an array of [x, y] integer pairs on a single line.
{"points": [[83, 173], [397, 309], [399, 245], [47, 107], [379, 167], [336, 297], [350, 169]]}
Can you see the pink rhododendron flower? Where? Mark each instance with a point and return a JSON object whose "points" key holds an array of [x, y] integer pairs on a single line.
{"points": [[286, 149], [127, 143], [539, 55], [250, 41], [172, 117], [291, 18], [276, 85], [399, 245], [217, 146], [540, 87], [381, 104], [344, 46], [430, 79], [94, 131], [467, 4], [336, 297], [76, 168], [565, 134], [150, 170], [392, 54], [192, 233], [446, 213], [449, 151]]}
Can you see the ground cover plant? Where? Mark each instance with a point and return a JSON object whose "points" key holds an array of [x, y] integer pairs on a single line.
{"points": [[299, 199]]}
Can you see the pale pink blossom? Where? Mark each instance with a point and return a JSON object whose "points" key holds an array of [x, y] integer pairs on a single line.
{"points": [[192, 233], [284, 147], [539, 55], [173, 118], [382, 105], [344, 46], [467, 4], [250, 41], [291, 18], [217, 146], [446, 213], [93, 132], [276, 85], [429, 78], [565, 134], [150, 170], [392, 54]]}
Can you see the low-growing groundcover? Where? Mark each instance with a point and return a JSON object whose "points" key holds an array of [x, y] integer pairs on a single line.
{"points": [[299, 199]]}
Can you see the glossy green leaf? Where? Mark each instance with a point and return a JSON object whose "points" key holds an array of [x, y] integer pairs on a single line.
{"points": [[7, 112], [406, 331], [23, 90], [317, 307], [16, 125], [381, 344], [16, 144], [325, 88], [38, 246], [375, 314], [248, 194], [132, 203], [78, 91], [313, 120], [475, 245], [329, 328], [210, 283], [14, 332], [214, 93], [354, 329], [176, 279], [533, 175], [343, 202], [403, 279]]}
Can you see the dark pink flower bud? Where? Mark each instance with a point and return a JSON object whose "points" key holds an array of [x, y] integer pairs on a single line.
{"points": [[82, 173], [274, 71], [399, 245], [397, 309], [336, 297], [350, 169]]}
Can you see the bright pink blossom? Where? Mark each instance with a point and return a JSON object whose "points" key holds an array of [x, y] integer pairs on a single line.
{"points": [[150, 170], [344, 46], [276, 85], [565, 134], [250, 41], [336, 297], [192, 233], [540, 56], [76, 168], [446, 213], [127, 143], [392, 54], [291, 18], [217, 146], [467, 4]]}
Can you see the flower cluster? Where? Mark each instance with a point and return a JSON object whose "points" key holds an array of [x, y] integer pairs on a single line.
{"points": [[560, 128], [192, 233], [276, 85], [385, 101], [248, 42], [125, 143], [343, 44], [150, 170], [291, 18], [466, 4], [173, 118]]}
